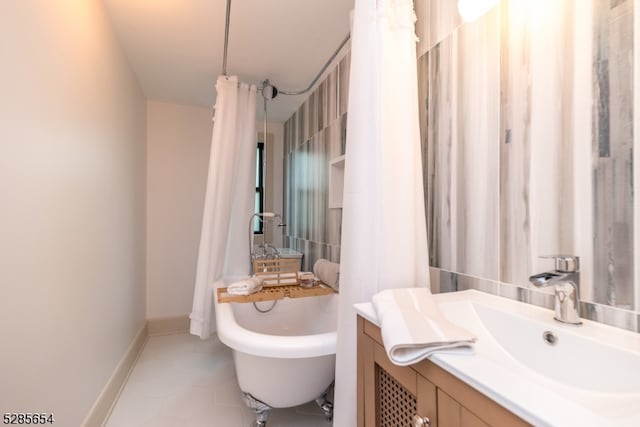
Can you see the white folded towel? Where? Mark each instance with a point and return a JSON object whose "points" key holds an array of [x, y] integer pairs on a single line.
{"points": [[413, 327], [245, 287], [327, 272]]}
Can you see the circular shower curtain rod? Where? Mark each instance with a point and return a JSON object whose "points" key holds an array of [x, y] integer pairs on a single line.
{"points": [[272, 91]]}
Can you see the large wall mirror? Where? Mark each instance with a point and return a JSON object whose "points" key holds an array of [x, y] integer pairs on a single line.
{"points": [[528, 143], [528, 118]]}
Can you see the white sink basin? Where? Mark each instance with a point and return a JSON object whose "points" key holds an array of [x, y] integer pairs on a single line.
{"points": [[589, 377], [575, 359]]}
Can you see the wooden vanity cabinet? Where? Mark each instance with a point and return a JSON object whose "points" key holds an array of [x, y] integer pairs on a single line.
{"points": [[391, 395]]}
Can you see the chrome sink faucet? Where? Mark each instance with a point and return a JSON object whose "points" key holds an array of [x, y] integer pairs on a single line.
{"points": [[566, 281]]}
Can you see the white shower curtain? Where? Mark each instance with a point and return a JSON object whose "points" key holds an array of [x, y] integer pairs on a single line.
{"points": [[384, 238], [229, 200]]}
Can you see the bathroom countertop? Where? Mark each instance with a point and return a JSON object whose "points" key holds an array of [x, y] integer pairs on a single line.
{"points": [[533, 397]]}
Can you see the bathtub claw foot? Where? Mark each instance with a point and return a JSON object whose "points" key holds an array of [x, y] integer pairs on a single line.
{"points": [[327, 409], [260, 408], [323, 403], [261, 420]]}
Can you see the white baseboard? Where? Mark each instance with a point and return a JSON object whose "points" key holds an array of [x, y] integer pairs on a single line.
{"points": [[105, 402], [168, 325], [103, 406]]}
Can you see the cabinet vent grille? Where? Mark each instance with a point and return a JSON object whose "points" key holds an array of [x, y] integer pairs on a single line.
{"points": [[395, 405]]}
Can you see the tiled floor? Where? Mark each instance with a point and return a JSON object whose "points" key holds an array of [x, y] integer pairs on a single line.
{"points": [[180, 380]]}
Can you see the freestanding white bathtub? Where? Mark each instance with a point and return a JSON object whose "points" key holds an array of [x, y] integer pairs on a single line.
{"points": [[285, 357]]}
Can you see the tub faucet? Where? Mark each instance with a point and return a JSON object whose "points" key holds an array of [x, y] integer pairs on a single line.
{"points": [[566, 281]]}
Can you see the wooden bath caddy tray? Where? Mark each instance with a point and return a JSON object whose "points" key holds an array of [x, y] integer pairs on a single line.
{"points": [[280, 278], [276, 292]]}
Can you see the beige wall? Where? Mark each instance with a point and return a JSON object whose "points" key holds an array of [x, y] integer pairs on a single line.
{"points": [[72, 206], [178, 142]]}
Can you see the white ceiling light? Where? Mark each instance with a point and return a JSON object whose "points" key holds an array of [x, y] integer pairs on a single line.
{"points": [[470, 10]]}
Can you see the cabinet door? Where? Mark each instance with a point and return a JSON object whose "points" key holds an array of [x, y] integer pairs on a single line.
{"points": [[468, 419], [452, 414], [395, 392], [427, 407], [448, 410], [389, 395]]}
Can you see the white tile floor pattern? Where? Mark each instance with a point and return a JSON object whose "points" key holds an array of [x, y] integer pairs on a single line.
{"points": [[181, 380]]}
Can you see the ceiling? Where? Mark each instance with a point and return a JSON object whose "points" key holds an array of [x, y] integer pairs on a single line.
{"points": [[176, 46]]}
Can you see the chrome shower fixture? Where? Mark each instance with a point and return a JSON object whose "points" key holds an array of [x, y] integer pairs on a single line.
{"points": [[262, 215], [269, 91]]}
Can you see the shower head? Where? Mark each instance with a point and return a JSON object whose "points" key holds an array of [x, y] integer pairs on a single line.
{"points": [[271, 215], [269, 91]]}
